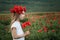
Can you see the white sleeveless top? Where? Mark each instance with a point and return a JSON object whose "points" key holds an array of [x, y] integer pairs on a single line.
{"points": [[19, 30]]}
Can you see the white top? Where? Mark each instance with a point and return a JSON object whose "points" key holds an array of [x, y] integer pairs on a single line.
{"points": [[19, 30]]}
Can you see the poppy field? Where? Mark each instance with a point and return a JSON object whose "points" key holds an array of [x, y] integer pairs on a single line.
{"points": [[41, 27]]}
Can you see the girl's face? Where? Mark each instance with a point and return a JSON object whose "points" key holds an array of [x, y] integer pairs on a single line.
{"points": [[22, 16]]}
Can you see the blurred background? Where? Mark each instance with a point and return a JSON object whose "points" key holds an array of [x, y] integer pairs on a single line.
{"points": [[31, 5], [44, 16]]}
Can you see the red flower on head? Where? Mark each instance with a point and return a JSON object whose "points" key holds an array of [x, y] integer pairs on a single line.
{"points": [[18, 9], [12, 11], [24, 8], [15, 6]]}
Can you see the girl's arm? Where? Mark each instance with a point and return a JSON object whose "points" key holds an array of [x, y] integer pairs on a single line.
{"points": [[15, 36]]}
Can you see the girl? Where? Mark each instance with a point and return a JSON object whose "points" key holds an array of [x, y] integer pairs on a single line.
{"points": [[18, 13]]}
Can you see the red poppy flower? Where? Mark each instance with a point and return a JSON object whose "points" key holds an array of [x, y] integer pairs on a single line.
{"points": [[28, 23], [39, 30], [58, 22], [15, 6], [12, 10], [51, 25], [24, 8], [48, 21], [25, 24], [45, 30], [18, 9], [37, 16], [42, 16], [54, 18], [53, 30]]}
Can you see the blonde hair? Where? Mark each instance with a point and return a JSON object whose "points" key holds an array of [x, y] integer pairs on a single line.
{"points": [[14, 17]]}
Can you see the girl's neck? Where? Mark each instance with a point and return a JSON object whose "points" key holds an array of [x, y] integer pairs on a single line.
{"points": [[18, 20]]}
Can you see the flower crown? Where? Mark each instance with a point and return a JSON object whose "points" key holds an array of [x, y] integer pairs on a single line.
{"points": [[18, 9]]}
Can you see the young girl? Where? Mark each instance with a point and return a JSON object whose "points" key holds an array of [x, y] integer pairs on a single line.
{"points": [[16, 29]]}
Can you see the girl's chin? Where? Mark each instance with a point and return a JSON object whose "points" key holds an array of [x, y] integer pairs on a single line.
{"points": [[21, 19]]}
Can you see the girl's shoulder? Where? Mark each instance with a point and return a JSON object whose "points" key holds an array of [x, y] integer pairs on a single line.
{"points": [[15, 24]]}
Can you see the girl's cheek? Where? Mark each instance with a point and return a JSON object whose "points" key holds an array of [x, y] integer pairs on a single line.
{"points": [[22, 17]]}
